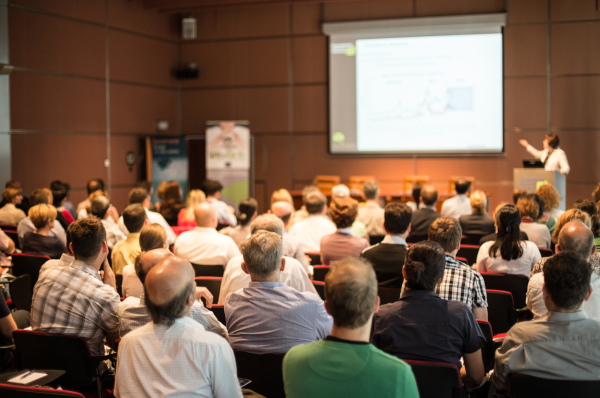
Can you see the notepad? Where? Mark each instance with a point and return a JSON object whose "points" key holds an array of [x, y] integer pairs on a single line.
{"points": [[32, 377]]}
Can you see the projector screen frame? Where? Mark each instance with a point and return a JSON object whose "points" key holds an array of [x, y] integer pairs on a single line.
{"points": [[385, 28]]}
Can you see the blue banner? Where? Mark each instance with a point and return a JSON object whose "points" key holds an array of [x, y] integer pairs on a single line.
{"points": [[169, 162]]}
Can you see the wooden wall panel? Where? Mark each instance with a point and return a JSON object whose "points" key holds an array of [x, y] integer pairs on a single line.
{"points": [[279, 161], [582, 148], [120, 197], [527, 11], [89, 10], [525, 103], [575, 102], [121, 173], [310, 59], [56, 45], [242, 62], [260, 157], [131, 16], [49, 102], [568, 10], [310, 109], [362, 10], [575, 48], [306, 18], [426, 8], [525, 51], [262, 197]]}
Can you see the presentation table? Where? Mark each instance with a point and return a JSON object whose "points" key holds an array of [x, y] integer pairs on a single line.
{"points": [[530, 179]]}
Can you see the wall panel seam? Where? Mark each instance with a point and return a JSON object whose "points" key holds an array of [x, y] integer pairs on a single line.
{"points": [[273, 37], [247, 86]]}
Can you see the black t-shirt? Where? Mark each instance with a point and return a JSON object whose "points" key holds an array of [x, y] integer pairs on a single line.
{"points": [[4, 311], [45, 245], [387, 260]]}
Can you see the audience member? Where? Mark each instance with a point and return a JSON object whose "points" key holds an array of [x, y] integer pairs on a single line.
{"points": [[425, 215], [246, 213], [87, 210], [563, 343], [415, 204], [9, 322], [9, 213], [293, 275], [291, 245], [40, 196], [459, 204], [147, 185], [460, 282], [109, 217], [133, 312], [302, 214], [59, 197], [225, 213], [40, 241], [517, 194], [58, 185], [344, 363], [198, 362], [494, 236], [388, 256], [529, 210], [76, 300], [126, 251], [186, 216], [310, 230], [172, 203], [269, 316], [422, 326], [552, 199], [24, 205], [92, 186], [282, 195], [357, 228], [478, 222], [371, 213], [575, 237], [542, 218], [160, 194], [152, 236], [7, 247], [590, 208], [141, 196], [204, 245], [595, 194], [65, 259], [509, 254], [342, 243]]}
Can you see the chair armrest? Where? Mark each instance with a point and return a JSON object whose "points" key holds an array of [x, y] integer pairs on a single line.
{"points": [[7, 347], [104, 357]]}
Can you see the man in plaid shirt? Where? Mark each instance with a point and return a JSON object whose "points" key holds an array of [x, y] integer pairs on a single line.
{"points": [[76, 299], [460, 282]]}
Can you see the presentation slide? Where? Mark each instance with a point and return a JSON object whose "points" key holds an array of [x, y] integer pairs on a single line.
{"points": [[417, 95]]}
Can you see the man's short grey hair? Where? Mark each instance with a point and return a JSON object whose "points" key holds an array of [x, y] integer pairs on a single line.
{"points": [[267, 222], [370, 190], [99, 206], [315, 202], [579, 241], [172, 310], [340, 190], [262, 253]]}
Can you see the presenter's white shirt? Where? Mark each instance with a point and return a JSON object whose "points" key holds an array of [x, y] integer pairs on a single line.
{"points": [[310, 231], [206, 246], [556, 162], [235, 278], [521, 266], [154, 218], [456, 206]]}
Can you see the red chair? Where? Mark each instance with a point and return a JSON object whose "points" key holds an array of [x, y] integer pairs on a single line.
{"points": [[471, 239], [10, 227], [469, 252], [388, 294], [464, 260], [21, 292], [14, 236], [219, 311], [546, 252], [320, 288], [208, 270], [315, 258], [320, 271], [265, 371], [501, 310], [437, 379], [212, 283], [12, 391], [515, 284], [28, 264], [523, 386]]}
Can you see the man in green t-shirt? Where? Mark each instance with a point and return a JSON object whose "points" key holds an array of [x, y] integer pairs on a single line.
{"points": [[345, 364]]}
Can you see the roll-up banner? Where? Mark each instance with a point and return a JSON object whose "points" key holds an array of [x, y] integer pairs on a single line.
{"points": [[168, 161], [228, 158]]}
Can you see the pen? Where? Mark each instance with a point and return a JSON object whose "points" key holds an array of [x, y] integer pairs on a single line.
{"points": [[27, 374]]}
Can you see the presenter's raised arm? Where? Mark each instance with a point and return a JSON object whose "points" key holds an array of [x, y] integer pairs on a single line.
{"points": [[524, 143]]}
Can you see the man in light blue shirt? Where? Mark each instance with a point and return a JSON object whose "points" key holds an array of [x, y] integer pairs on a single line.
{"points": [[268, 316]]}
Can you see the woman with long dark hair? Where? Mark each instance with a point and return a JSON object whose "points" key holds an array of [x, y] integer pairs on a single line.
{"points": [[172, 203], [508, 254]]}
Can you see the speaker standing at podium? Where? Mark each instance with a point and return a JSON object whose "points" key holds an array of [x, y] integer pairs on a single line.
{"points": [[554, 158]]}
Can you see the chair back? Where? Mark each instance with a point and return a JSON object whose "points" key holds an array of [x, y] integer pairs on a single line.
{"points": [[212, 283], [521, 386], [265, 371], [375, 239], [12, 391], [412, 239], [119, 283], [501, 310], [9, 227], [14, 236], [471, 239], [28, 264], [320, 288], [546, 252], [208, 270], [515, 284], [21, 292], [40, 350], [388, 294], [488, 350], [437, 379], [464, 260], [219, 311], [315, 258], [320, 271], [469, 252]]}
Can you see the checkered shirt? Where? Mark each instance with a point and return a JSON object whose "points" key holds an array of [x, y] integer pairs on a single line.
{"points": [[462, 283], [594, 262], [73, 300]]}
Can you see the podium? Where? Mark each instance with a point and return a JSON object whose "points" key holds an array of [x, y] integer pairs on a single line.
{"points": [[528, 179]]}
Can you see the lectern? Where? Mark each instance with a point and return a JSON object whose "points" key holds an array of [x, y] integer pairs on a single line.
{"points": [[528, 180]]}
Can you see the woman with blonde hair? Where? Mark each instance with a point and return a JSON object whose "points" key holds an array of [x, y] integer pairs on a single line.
{"points": [[9, 214], [40, 241], [551, 199], [186, 216], [478, 222]]}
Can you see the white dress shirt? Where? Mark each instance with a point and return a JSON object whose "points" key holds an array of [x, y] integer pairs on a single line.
{"points": [[154, 218], [25, 225], [222, 211], [311, 230], [521, 266], [456, 206], [132, 286], [65, 260], [206, 246], [182, 360], [235, 278], [556, 162]]}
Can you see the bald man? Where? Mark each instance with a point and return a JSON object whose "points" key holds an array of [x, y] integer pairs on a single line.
{"points": [[427, 214], [204, 245], [198, 364], [291, 245], [574, 237], [133, 312]]}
